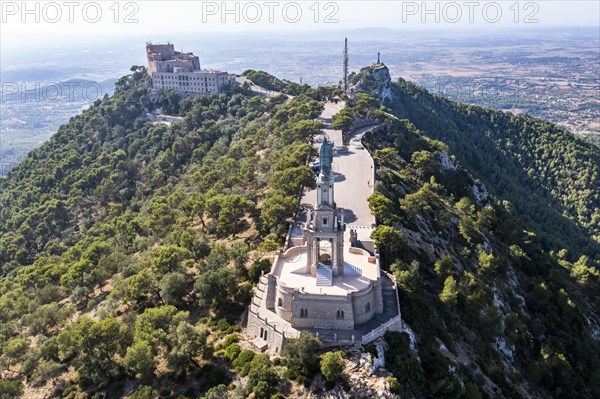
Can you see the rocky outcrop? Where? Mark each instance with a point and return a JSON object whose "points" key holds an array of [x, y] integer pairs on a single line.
{"points": [[376, 81]]}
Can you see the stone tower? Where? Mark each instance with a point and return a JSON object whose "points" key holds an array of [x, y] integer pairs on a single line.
{"points": [[324, 234]]}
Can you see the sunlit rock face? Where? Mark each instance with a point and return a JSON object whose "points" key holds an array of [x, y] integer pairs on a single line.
{"points": [[376, 80]]}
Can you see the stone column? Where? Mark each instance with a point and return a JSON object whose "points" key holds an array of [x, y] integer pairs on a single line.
{"points": [[309, 254], [334, 258], [312, 267], [340, 252]]}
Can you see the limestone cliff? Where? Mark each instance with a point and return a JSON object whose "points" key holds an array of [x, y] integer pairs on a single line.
{"points": [[375, 80]]}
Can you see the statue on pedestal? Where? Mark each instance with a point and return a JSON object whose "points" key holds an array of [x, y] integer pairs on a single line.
{"points": [[326, 157]]}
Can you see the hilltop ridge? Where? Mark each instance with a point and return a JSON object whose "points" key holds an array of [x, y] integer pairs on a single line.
{"points": [[130, 249], [489, 283], [550, 176]]}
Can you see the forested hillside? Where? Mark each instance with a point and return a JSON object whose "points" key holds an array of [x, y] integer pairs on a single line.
{"points": [[551, 177], [270, 82], [493, 314], [129, 248]]}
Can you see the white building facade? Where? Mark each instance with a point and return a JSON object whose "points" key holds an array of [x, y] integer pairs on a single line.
{"points": [[181, 72]]}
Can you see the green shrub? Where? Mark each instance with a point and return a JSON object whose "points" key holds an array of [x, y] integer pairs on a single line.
{"points": [[302, 357], [10, 389], [258, 268], [332, 365], [262, 378], [232, 352], [242, 362], [394, 385], [144, 392], [278, 361], [218, 392], [230, 339]]}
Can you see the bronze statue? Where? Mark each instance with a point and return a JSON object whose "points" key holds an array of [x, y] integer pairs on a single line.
{"points": [[326, 157]]}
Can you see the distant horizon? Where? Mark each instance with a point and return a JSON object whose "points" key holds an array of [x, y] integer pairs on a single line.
{"points": [[495, 66], [44, 23], [60, 40]]}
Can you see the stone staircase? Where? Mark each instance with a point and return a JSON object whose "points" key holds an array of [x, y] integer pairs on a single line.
{"points": [[260, 292], [390, 304], [324, 276]]}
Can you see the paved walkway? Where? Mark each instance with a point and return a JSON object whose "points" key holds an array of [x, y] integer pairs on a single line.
{"points": [[329, 110], [353, 173], [261, 91]]}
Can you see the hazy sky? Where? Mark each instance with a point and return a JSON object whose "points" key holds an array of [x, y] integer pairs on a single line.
{"points": [[57, 22]]}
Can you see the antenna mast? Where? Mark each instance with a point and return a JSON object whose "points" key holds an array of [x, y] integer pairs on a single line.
{"points": [[346, 65]]}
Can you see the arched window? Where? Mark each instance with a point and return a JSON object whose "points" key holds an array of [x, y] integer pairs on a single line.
{"points": [[340, 314], [368, 306], [280, 302], [303, 312]]}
